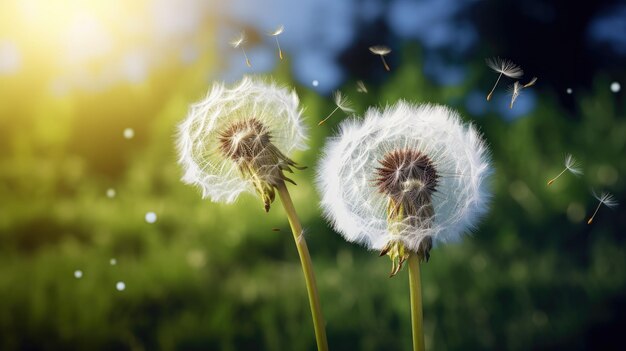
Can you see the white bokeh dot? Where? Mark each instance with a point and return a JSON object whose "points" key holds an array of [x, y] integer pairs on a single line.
{"points": [[569, 90], [113, 262], [315, 83], [129, 133], [78, 274], [110, 193], [615, 87], [151, 217], [120, 286]]}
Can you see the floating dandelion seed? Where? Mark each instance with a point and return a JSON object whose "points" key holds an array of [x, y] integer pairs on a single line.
{"points": [[517, 88], [360, 87], [615, 87], [78, 274], [129, 133], [342, 103], [571, 165], [505, 67], [381, 51], [120, 286], [605, 199], [275, 34], [238, 42]]}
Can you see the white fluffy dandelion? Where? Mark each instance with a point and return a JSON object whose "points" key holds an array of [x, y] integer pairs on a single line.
{"points": [[342, 103], [381, 51], [503, 67], [403, 178], [571, 165], [239, 139], [605, 199], [238, 42]]}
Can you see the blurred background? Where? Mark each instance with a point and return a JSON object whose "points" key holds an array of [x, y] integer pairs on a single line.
{"points": [[102, 247]]}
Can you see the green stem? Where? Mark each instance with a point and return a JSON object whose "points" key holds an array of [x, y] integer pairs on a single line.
{"points": [[307, 267], [416, 303]]}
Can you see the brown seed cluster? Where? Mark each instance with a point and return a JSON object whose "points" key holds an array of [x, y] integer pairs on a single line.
{"points": [[249, 144], [406, 175], [409, 179]]}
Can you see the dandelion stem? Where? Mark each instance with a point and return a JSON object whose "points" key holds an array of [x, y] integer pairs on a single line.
{"points": [[280, 52], [594, 213], [416, 303], [327, 117], [307, 267], [246, 56], [385, 63], [494, 87], [555, 178]]}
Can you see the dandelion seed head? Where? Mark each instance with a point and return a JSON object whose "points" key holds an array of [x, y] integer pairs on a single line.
{"points": [[423, 154], [360, 87], [342, 102], [237, 42], [380, 50], [506, 67], [253, 124], [278, 31], [606, 199], [572, 165]]}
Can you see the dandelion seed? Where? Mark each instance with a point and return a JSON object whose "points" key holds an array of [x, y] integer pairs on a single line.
{"points": [[120, 286], [381, 51], [238, 42], [275, 34], [605, 199], [615, 87], [78, 274], [342, 103], [503, 67], [571, 165], [360, 87], [517, 88]]}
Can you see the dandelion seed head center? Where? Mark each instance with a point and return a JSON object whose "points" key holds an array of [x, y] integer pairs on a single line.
{"points": [[406, 174], [244, 140]]}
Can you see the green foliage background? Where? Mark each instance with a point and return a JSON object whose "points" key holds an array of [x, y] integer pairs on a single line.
{"points": [[214, 276]]}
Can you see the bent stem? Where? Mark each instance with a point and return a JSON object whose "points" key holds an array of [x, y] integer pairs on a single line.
{"points": [[416, 303], [494, 87], [307, 267]]}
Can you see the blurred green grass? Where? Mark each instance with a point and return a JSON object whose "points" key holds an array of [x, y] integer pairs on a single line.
{"points": [[534, 275]]}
